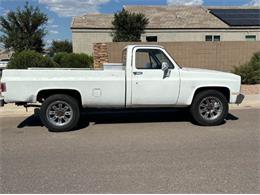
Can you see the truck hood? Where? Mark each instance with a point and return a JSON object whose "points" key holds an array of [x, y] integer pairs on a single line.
{"points": [[210, 73]]}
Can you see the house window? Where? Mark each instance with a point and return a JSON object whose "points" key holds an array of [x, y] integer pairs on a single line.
{"points": [[212, 38], [216, 38], [251, 37], [151, 38], [208, 38]]}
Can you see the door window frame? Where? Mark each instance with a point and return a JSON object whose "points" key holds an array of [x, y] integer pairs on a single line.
{"points": [[174, 64]]}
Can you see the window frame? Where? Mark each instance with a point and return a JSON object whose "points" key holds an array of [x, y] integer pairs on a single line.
{"points": [[213, 38], [166, 55]]}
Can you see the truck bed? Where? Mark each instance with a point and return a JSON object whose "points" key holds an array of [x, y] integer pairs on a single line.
{"points": [[98, 88]]}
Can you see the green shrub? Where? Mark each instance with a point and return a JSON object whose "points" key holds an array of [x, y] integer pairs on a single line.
{"points": [[28, 58], [72, 60], [60, 46], [249, 72], [57, 58]]}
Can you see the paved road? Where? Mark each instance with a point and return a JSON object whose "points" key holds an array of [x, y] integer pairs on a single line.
{"points": [[132, 153]]}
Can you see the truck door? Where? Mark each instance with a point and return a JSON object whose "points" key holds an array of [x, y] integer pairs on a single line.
{"points": [[150, 85]]}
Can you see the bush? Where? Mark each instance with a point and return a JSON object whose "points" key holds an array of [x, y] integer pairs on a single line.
{"points": [[249, 72], [28, 58], [72, 60], [57, 58], [60, 46]]}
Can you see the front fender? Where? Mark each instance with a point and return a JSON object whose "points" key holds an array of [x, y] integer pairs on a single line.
{"points": [[187, 94]]}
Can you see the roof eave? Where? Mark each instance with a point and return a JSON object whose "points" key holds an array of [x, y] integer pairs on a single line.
{"points": [[197, 28]]}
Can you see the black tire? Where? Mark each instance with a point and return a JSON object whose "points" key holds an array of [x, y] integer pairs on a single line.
{"points": [[197, 108], [65, 100]]}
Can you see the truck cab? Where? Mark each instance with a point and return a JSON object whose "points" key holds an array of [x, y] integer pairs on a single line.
{"points": [[151, 72]]}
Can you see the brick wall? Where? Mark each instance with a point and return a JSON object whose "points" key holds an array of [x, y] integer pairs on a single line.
{"points": [[211, 55]]}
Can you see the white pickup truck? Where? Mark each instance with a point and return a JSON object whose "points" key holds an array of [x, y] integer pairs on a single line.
{"points": [[147, 77]]}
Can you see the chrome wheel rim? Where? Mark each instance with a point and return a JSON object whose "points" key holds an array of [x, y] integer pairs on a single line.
{"points": [[59, 113], [210, 108]]}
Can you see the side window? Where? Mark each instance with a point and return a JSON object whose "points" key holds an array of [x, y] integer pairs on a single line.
{"points": [[124, 54], [151, 59], [161, 57], [143, 60]]}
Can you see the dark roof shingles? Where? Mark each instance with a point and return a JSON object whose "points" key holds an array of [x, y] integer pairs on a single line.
{"points": [[160, 17]]}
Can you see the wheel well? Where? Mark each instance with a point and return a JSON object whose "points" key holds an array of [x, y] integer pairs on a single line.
{"points": [[224, 90], [44, 94]]}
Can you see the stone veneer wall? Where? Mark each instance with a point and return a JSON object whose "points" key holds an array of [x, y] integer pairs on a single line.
{"points": [[100, 54]]}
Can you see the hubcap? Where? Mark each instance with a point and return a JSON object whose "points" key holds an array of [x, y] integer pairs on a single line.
{"points": [[59, 113], [210, 108]]}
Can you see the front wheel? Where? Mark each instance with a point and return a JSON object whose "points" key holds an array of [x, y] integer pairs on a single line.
{"points": [[209, 108], [60, 113]]}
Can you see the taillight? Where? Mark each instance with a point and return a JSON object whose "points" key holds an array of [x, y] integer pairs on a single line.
{"points": [[3, 87]]}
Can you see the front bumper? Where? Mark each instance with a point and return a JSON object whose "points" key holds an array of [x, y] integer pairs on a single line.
{"points": [[240, 99]]}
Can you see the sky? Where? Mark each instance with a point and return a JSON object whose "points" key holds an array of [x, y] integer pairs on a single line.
{"points": [[60, 12]]}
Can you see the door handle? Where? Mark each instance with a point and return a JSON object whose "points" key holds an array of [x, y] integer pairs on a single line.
{"points": [[138, 73]]}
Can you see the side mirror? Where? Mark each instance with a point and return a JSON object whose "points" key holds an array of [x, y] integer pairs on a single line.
{"points": [[165, 66], [166, 70]]}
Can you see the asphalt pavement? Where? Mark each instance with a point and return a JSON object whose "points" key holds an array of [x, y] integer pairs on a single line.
{"points": [[147, 152]]}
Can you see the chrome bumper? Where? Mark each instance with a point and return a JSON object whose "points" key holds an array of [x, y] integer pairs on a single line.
{"points": [[240, 99]]}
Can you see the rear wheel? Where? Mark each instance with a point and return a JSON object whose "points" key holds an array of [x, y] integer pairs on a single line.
{"points": [[209, 108], [60, 113]]}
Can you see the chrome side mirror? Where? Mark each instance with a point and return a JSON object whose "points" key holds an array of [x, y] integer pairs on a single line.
{"points": [[165, 66], [166, 70]]}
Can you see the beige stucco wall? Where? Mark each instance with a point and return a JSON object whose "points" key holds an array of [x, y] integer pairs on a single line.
{"points": [[193, 35], [200, 35], [83, 40]]}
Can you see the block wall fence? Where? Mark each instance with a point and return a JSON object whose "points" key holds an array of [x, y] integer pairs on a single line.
{"points": [[210, 55]]}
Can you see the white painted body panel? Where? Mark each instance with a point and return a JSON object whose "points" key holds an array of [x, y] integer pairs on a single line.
{"points": [[97, 88], [155, 90], [119, 88], [193, 79]]}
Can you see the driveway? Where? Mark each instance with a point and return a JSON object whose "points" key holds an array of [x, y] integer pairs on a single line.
{"points": [[132, 153]]}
